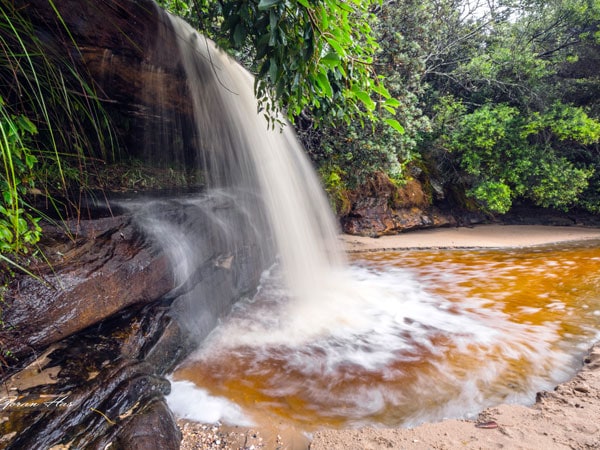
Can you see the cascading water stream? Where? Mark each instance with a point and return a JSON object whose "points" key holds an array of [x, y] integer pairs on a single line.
{"points": [[240, 150], [263, 172]]}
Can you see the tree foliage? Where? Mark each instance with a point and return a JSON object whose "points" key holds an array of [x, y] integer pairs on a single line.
{"points": [[507, 155], [511, 104], [497, 97], [357, 153], [314, 55]]}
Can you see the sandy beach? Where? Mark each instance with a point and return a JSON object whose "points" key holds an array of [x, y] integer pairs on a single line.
{"points": [[565, 418], [481, 236]]}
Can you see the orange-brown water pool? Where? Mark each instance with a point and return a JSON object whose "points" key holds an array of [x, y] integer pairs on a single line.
{"points": [[405, 337]]}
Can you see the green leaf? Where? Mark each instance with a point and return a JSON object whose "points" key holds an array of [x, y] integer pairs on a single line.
{"points": [[30, 160], [331, 60], [392, 102], [365, 99], [5, 234], [341, 5], [381, 90], [239, 35], [266, 4], [395, 125], [324, 21], [262, 47], [273, 70], [25, 124], [22, 226], [273, 19], [323, 82], [336, 46]]}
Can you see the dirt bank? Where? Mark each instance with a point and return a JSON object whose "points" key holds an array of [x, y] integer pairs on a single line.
{"points": [[566, 418]]}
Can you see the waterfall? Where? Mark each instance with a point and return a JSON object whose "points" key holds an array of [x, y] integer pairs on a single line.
{"points": [[241, 151], [262, 202]]}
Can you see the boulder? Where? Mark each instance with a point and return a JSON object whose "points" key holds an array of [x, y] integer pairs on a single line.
{"points": [[379, 207]]}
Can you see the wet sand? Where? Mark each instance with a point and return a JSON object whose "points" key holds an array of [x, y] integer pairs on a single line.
{"points": [[481, 236]]}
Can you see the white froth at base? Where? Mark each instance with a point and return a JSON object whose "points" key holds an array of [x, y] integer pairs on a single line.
{"points": [[187, 401]]}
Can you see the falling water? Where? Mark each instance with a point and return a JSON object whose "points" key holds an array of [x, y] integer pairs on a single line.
{"points": [[241, 151], [262, 196]]}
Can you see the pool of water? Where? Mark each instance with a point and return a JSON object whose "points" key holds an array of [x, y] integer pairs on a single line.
{"points": [[400, 338]]}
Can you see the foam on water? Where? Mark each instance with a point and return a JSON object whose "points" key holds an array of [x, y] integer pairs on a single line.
{"points": [[188, 401], [385, 328], [378, 309]]}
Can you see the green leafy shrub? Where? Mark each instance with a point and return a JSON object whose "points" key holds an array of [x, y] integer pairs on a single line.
{"points": [[19, 230], [359, 152], [506, 154], [559, 183], [337, 191], [494, 196]]}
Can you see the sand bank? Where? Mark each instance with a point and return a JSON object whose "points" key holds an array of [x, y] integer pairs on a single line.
{"points": [[481, 236]]}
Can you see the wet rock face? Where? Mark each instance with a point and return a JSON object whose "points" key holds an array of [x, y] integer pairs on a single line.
{"points": [[374, 217], [93, 342], [127, 52], [380, 208], [97, 388], [109, 267], [126, 47]]}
